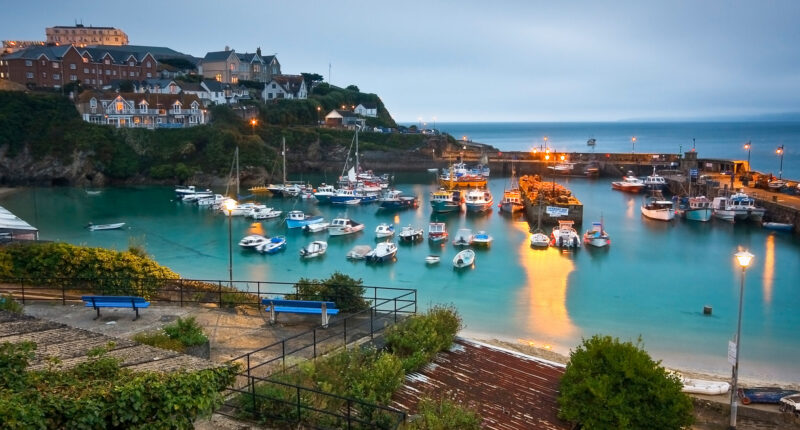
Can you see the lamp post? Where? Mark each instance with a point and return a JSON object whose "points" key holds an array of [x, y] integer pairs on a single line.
{"points": [[545, 144], [229, 205], [747, 147], [319, 113], [253, 123], [743, 258], [633, 145], [779, 151]]}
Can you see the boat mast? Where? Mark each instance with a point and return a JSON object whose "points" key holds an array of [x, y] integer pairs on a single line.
{"points": [[358, 168], [236, 156]]}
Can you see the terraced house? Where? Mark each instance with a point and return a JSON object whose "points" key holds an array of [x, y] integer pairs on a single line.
{"points": [[229, 67], [56, 66], [137, 110]]}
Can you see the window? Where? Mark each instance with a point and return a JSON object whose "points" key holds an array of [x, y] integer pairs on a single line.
{"points": [[256, 68], [99, 82], [130, 63], [108, 72], [124, 73], [194, 107], [273, 86], [120, 106], [106, 61], [28, 63], [73, 77], [176, 108], [29, 75], [149, 75], [218, 77], [73, 66], [44, 74], [234, 79], [269, 95], [55, 65], [85, 59], [148, 65], [115, 73], [232, 67], [192, 119], [86, 70], [44, 63], [2, 75], [143, 107], [93, 103]]}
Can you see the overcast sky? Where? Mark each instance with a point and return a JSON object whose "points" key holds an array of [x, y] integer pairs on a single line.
{"points": [[489, 61]]}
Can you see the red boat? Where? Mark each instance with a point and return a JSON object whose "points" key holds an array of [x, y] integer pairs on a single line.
{"points": [[629, 183]]}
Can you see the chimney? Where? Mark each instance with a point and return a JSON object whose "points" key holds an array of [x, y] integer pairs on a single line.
{"points": [[227, 48], [258, 51]]}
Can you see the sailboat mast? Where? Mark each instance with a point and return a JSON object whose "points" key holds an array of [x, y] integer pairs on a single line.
{"points": [[358, 168], [283, 153], [237, 172]]}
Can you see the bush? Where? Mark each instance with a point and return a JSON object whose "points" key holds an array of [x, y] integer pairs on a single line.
{"points": [[418, 338], [177, 336], [444, 414], [159, 339], [7, 303], [341, 289], [613, 384]]}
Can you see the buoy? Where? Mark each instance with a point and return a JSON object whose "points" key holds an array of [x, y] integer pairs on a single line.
{"points": [[706, 310]]}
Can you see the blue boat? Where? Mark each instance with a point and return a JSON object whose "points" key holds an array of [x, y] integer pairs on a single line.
{"points": [[446, 201], [763, 394], [695, 208], [297, 219], [779, 226], [275, 244]]}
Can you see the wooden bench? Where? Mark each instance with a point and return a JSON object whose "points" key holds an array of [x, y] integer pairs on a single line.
{"points": [[98, 302], [326, 309]]}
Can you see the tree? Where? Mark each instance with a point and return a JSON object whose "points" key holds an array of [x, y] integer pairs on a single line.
{"points": [[353, 88], [311, 79], [613, 384]]}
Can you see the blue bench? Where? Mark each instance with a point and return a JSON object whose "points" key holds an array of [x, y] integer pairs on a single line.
{"points": [[326, 309], [98, 302]]}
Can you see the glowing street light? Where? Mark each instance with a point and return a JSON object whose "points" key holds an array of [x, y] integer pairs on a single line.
{"points": [[253, 123], [779, 151], [747, 146], [633, 144], [230, 204], [743, 258]]}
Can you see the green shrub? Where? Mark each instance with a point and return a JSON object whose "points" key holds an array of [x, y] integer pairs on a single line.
{"points": [[341, 289], [444, 414], [613, 384], [7, 303], [418, 338], [186, 331], [159, 340]]}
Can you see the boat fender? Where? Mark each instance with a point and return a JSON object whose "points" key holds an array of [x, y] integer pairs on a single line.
{"points": [[745, 400]]}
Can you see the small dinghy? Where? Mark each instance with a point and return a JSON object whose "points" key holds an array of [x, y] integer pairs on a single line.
{"points": [[779, 226], [384, 230], [432, 259], [316, 227], [359, 252], [275, 244], [482, 238], [411, 234], [703, 386], [93, 227], [464, 258], [314, 249], [384, 251], [463, 237], [253, 241]]}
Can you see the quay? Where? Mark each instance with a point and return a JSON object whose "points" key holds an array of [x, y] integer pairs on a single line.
{"points": [[548, 202]]}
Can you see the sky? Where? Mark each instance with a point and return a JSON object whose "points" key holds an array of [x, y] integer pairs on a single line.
{"points": [[476, 61]]}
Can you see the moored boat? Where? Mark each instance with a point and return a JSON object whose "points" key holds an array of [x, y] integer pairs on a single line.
{"points": [[763, 394], [655, 181], [93, 227], [297, 219], [432, 259], [384, 251], [437, 231], [780, 226], [324, 193], [738, 207], [446, 200], [393, 199], [482, 238], [316, 227], [275, 244], [565, 236], [411, 234], [539, 240], [658, 208], [463, 237], [252, 241], [464, 258], [359, 252], [703, 386], [596, 236], [629, 183], [512, 201], [478, 200], [343, 226], [314, 249], [384, 230], [695, 208]]}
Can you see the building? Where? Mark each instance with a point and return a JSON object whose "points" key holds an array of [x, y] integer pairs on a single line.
{"points": [[230, 67], [82, 36], [285, 87], [10, 46], [55, 66], [134, 110], [171, 63], [367, 109], [343, 118], [14, 228]]}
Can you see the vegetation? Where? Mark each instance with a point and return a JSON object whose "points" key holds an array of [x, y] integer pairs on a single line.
{"points": [[100, 394], [444, 414], [108, 271], [613, 384], [339, 288], [178, 336], [7, 303], [417, 339]]}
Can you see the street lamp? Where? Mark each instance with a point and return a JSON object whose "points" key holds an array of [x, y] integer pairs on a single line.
{"points": [[253, 123], [633, 145], [545, 143], [229, 205], [743, 258], [779, 151], [747, 147], [319, 113]]}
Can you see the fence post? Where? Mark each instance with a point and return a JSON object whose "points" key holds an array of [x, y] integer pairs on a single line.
{"points": [[252, 390], [248, 365], [374, 296], [283, 354], [180, 289], [258, 293], [371, 328], [415, 300], [220, 294], [395, 309]]}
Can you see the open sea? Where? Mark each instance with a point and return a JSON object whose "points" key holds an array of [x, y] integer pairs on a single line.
{"points": [[652, 282]]}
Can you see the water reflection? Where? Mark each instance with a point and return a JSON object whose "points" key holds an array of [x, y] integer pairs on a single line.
{"points": [[543, 299], [769, 268]]}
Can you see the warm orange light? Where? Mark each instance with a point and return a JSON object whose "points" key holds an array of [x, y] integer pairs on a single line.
{"points": [[535, 151], [547, 157], [318, 108], [744, 258], [230, 205], [779, 150], [464, 138], [253, 121], [563, 158], [633, 139], [747, 146]]}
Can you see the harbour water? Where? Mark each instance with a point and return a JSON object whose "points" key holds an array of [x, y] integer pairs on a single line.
{"points": [[652, 282]]}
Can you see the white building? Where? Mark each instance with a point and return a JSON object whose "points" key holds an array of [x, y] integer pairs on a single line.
{"points": [[367, 109], [285, 87]]}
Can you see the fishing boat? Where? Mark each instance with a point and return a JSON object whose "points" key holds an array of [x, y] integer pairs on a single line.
{"points": [[538, 238], [214, 200], [314, 249], [478, 200], [316, 227], [344, 196], [393, 199], [297, 219], [384, 230], [629, 183], [512, 201], [658, 208], [275, 244], [252, 241], [463, 237], [738, 207], [763, 394], [194, 197], [655, 181], [482, 238], [384, 251], [181, 191], [437, 231], [286, 188], [446, 201], [565, 236], [343, 226], [695, 208], [790, 403], [720, 209], [264, 213], [432, 259], [779, 226], [464, 258], [93, 227], [596, 236], [411, 234], [359, 252], [324, 193]]}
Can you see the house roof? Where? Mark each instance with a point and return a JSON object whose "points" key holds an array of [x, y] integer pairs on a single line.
{"points": [[213, 85], [289, 83], [118, 56], [345, 113], [158, 52], [34, 52], [153, 99], [268, 58], [369, 105], [9, 221], [249, 58], [217, 55], [191, 86]]}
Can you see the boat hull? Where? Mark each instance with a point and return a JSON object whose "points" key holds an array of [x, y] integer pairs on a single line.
{"points": [[627, 187], [511, 207], [702, 215], [297, 223], [659, 214], [443, 207]]}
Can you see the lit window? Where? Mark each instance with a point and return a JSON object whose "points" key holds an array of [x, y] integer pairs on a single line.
{"points": [[107, 61], [218, 77], [232, 67], [85, 59], [55, 65], [120, 106]]}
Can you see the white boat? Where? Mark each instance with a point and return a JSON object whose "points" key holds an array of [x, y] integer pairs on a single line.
{"points": [[297, 219], [359, 252], [596, 236], [565, 236], [658, 208], [629, 183], [743, 207], [433, 170], [482, 238], [264, 213], [696, 208], [464, 258], [463, 237], [478, 200], [216, 199], [655, 181], [411, 234], [384, 251], [197, 196], [437, 231], [776, 185], [324, 192], [93, 227], [316, 227], [384, 230], [273, 245], [252, 241], [314, 249], [181, 191], [703, 386], [432, 259], [721, 210], [539, 239], [342, 226], [93, 192], [562, 168]]}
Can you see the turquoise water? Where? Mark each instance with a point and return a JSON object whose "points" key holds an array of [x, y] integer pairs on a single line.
{"points": [[652, 282], [711, 139]]}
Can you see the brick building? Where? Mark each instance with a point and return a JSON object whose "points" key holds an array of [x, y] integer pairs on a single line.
{"points": [[83, 36], [55, 66]]}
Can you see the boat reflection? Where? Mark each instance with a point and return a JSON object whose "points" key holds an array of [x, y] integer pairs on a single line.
{"points": [[543, 300]]}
